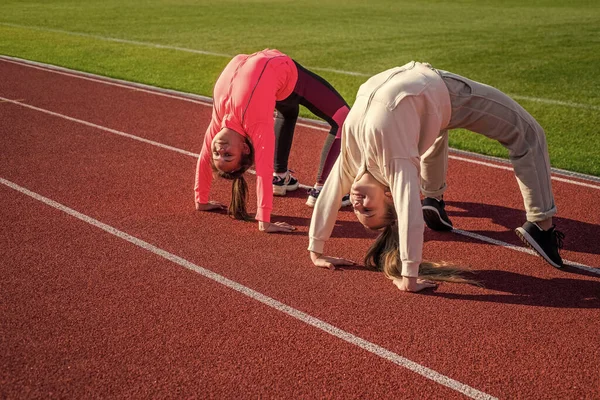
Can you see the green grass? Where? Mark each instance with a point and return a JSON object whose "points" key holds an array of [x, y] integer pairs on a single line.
{"points": [[539, 49]]}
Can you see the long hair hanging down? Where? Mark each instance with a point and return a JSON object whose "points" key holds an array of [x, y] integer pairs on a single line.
{"points": [[383, 255], [239, 187]]}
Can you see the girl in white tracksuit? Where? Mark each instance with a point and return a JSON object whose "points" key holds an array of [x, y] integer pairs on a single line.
{"points": [[395, 146]]}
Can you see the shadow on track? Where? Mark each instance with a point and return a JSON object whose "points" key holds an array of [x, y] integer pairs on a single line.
{"points": [[532, 291], [581, 237]]}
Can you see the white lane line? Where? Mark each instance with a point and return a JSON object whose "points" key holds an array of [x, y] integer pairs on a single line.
{"points": [[216, 54], [556, 178], [103, 128], [507, 168], [503, 161], [270, 302], [107, 81], [480, 162], [487, 164], [116, 132], [313, 124], [195, 155]]}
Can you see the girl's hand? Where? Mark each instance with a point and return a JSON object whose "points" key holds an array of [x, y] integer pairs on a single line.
{"points": [[270, 227], [211, 205], [413, 284], [328, 262]]}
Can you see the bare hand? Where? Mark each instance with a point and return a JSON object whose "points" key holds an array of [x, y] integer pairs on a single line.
{"points": [[329, 262], [270, 227], [211, 205], [413, 284]]}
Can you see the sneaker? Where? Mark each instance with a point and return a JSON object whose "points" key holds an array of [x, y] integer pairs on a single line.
{"points": [[435, 216], [346, 200], [545, 243], [313, 194], [283, 185]]}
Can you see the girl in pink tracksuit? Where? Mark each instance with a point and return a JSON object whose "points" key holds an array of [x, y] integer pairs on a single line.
{"points": [[395, 147], [243, 132]]}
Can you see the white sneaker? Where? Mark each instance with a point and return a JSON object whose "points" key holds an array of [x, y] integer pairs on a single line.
{"points": [[313, 194]]}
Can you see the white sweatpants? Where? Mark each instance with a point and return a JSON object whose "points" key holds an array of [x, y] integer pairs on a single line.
{"points": [[486, 110]]}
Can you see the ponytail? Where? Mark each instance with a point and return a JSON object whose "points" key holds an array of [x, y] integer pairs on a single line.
{"points": [[239, 196], [383, 255]]}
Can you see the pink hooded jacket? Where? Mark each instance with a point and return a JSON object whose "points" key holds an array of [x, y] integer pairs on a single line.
{"points": [[244, 100]]}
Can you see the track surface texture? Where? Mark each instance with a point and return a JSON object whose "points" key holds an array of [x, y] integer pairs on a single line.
{"points": [[114, 286]]}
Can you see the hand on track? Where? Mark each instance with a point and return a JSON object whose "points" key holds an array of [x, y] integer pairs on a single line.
{"points": [[329, 262], [413, 284], [211, 205]]}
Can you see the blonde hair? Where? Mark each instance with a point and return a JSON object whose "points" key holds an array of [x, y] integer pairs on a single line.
{"points": [[239, 187], [384, 255]]}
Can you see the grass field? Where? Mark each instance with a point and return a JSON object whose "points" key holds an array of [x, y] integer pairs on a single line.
{"points": [[544, 53]]}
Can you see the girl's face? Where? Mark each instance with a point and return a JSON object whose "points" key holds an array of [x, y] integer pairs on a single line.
{"points": [[227, 148], [371, 200]]}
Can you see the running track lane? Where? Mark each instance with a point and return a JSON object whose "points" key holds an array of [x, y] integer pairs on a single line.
{"points": [[92, 316], [525, 319], [129, 117]]}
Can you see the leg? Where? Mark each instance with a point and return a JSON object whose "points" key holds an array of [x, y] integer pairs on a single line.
{"points": [[318, 96], [434, 167], [486, 110], [204, 171], [285, 123]]}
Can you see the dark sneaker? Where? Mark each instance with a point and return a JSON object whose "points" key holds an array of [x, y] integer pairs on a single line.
{"points": [[545, 243], [313, 195], [283, 185], [346, 200], [435, 216]]}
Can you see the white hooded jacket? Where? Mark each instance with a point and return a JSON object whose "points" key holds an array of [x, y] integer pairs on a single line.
{"points": [[397, 116]]}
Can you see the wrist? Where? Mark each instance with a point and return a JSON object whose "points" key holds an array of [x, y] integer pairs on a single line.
{"points": [[409, 282], [263, 226], [315, 256], [201, 206]]}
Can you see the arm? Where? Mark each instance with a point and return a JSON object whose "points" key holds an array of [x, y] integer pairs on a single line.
{"points": [[325, 212], [204, 173], [263, 141], [403, 176]]}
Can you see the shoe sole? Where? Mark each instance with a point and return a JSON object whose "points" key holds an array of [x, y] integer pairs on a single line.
{"points": [[532, 244], [434, 220], [291, 188], [311, 201], [279, 190], [282, 190]]}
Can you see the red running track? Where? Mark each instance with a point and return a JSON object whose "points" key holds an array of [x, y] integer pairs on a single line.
{"points": [[87, 313]]}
